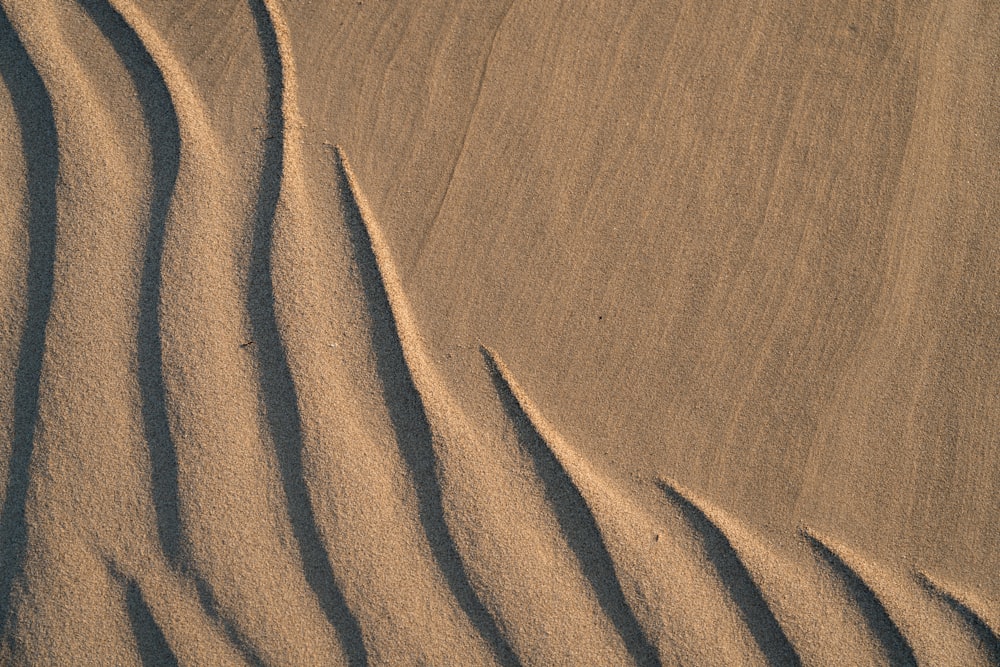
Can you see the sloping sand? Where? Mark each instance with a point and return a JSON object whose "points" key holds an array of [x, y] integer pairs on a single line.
{"points": [[518, 333]]}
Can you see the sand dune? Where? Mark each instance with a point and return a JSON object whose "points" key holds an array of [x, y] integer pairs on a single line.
{"points": [[503, 333]]}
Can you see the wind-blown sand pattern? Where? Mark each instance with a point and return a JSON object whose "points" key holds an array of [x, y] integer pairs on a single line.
{"points": [[238, 428]]}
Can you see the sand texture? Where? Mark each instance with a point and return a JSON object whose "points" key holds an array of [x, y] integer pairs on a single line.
{"points": [[499, 333]]}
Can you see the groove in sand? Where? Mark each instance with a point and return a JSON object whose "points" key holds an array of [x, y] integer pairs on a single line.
{"points": [[974, 623], [33, 108], [165, 147], [449, 475], [162, 125], [153, 648], [575, 519]]}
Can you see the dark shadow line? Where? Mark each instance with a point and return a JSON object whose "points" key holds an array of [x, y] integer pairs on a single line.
{"points": [[411, 426], [160, 117], [742, 588], [881, 625], [154, 650], [976, 625], [39, 142], [278, 390], [210, 605], [152, 645], [576, 522]]}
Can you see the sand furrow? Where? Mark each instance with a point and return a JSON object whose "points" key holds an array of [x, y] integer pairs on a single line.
{"points": [[575, 520], [901, 613], [988, 643], [371, 483], [516, 559], [160, 118], [408, 422], [150, 643], [796, 589], [32, 107], [86, 463], [935, 631], [95, 317], [763, 232], [671, 577]]}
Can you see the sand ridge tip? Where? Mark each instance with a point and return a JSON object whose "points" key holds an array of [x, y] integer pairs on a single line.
{"points": [[880, 623], [743, 589], [975, 623]]}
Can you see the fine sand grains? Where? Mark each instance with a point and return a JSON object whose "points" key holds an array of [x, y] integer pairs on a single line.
{"points": [[499, 333]]}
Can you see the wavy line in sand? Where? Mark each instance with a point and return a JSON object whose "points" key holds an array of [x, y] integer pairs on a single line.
{"points": [[795, 588], [576, 521], [569, 498], [411, 395], [474, 481], [39, 141], [162, 125], [278, 391], [192, 233]]}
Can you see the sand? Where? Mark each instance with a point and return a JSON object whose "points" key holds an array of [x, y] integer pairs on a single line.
{"points": [[516, 333]]}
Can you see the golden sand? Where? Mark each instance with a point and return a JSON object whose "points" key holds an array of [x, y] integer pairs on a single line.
{"points": [[517, 333]]}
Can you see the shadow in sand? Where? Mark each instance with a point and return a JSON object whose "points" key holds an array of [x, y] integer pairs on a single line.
{"points": [[150, 642], [160, 118], [277, 387], [165, 145], [881, 625], [39, 141], [153, 647], [576, 522], [977, 627], [756, 613], [409, 421]]}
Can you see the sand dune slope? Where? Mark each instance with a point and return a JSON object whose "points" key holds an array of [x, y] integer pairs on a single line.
{"points": [[226, 440]]}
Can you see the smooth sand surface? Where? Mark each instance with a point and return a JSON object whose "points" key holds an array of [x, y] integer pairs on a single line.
{"points": [[517, 333]]}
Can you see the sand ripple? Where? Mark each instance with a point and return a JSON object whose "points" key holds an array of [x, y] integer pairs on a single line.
{"points": [[225, 441]]}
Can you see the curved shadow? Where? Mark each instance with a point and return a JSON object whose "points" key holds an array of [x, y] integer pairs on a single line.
{"points": [[881, 625], [278, 390], [576, 522], [39, 141], [150, 642], [410, 424], [749, 599], [977, 627], [154, 650], [165, 145], [160, 117]]}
